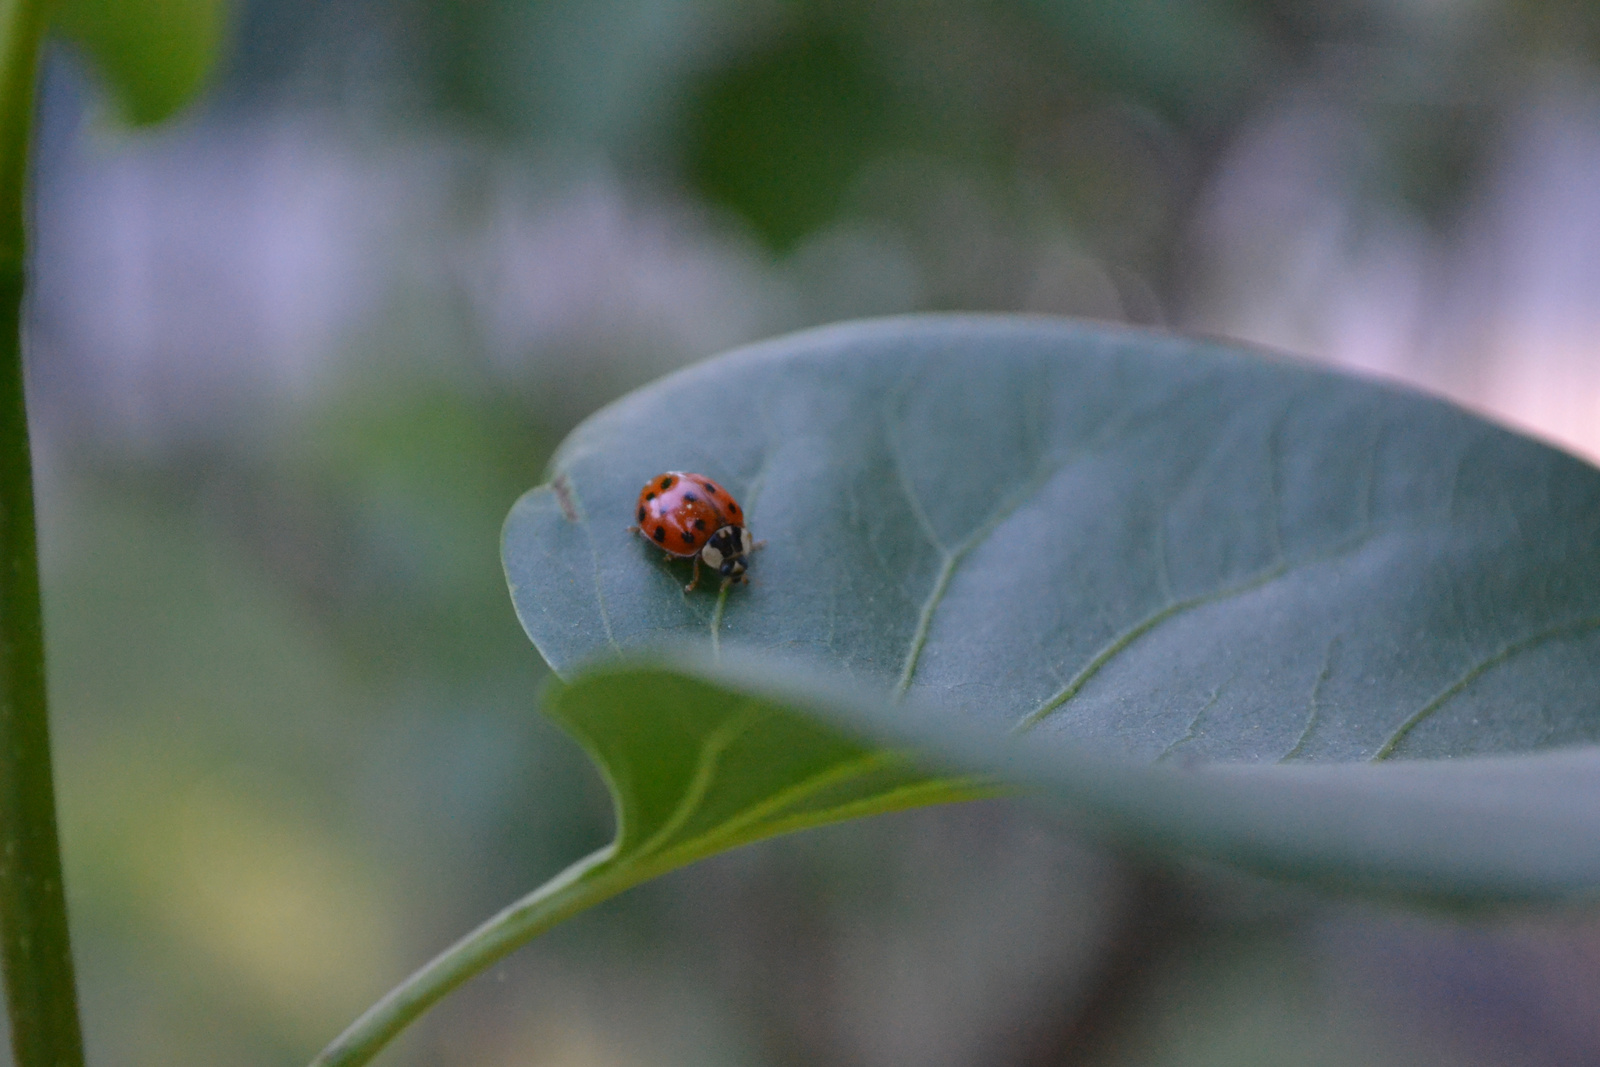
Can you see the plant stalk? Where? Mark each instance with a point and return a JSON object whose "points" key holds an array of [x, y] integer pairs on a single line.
{"points": [[582, 885], [41, 994]]}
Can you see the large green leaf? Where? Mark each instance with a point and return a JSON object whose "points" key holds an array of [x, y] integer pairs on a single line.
{"points": [[1192, 591], [1152, 545], [154, 54], [1104, 541]]}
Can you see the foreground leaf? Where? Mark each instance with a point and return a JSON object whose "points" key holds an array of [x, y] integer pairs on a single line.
{"points": [[1456, 833], [695, 768], [704, 756]]}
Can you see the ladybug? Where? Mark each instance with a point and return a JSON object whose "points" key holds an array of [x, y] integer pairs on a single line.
{"points": [[691, 516]]}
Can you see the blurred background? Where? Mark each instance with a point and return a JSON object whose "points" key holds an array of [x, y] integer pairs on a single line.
{"points": [[293, 355]]}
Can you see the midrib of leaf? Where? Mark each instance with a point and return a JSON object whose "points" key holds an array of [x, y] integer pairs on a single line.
{"points": [[716, 623]]}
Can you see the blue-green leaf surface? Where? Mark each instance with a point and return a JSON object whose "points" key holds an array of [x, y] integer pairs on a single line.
{"points": [[1079, 542]]}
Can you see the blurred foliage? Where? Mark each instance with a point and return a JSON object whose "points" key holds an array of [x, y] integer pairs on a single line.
{"points": [[780, 137], [411, 480], [789, 113], [155, 55]]}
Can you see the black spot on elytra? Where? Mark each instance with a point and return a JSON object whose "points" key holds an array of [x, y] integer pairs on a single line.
{"points": [[660, 534], [649, 496], [641, 513], [699, 524], [691, 498], [666, 483], [732, 507], [688, 538], [710, 488]]}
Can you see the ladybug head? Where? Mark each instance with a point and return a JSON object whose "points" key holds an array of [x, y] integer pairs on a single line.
{"points": [[726, 550]]}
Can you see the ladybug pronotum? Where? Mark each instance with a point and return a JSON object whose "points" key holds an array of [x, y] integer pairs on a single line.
{"points": [[689, 516]]}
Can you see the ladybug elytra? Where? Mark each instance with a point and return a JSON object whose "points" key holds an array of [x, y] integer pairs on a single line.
{"points": [[690, 516]]}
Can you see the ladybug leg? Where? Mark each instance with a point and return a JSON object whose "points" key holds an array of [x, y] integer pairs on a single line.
{"points": [[690, 587], [633, 529], [758, 546]]}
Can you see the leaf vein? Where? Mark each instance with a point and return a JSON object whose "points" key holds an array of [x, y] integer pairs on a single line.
{"points": [[1314, 712], [1194, 724], [953, 558], [1098, 661], [1507, 652], [907, 490], [705, 770]]}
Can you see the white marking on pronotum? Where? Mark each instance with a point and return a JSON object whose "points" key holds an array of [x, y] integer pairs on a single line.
{"points": [[712, 556]]}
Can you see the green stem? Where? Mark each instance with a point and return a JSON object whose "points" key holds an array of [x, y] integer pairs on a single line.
{"points": [[584, 884], [37, 956]]}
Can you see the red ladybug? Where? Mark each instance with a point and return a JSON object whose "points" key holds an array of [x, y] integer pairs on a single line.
{"points": [[689, 515]]}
